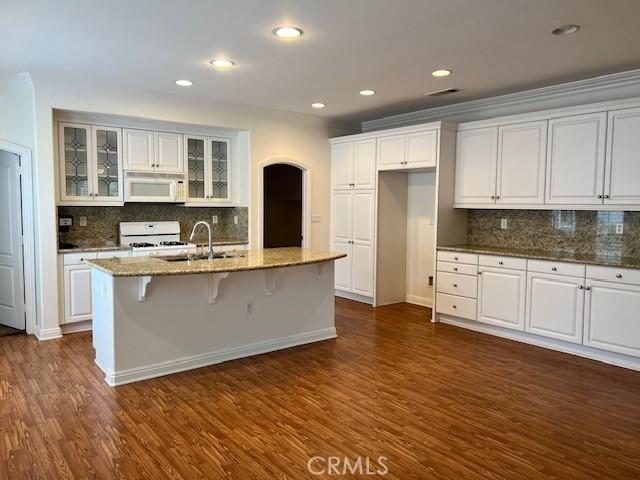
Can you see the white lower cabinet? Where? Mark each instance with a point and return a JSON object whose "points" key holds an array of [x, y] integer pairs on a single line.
{"points": [[501, 297], [555, 306], [612, 317]]}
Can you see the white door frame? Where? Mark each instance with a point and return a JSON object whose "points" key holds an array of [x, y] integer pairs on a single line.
{"points": [[25, 170], [306, 198]]}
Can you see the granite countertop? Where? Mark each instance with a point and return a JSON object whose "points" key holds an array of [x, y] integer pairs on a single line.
{"points": [[590, 259], [253, 260], [109, 246]]}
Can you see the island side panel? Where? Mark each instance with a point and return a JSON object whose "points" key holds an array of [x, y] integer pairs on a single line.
{"points": [[102, 308], [176, 328]]}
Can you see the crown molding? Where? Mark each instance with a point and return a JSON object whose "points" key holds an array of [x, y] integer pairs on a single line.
{"points": [[563, 92]]}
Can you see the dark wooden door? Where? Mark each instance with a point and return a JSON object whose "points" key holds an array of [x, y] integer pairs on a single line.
{"points": [[282, 206]]}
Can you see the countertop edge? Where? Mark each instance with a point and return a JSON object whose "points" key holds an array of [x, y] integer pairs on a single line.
{"points": [[143, 273], [540, 255]]}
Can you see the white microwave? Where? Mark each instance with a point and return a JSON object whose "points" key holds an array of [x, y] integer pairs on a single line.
{"points": [[154, 187]]}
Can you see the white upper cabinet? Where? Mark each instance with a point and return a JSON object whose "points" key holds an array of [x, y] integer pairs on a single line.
{"points": [[476, 161], [576, 147], [147, 151], [391, 152], [522, 155], [138, 150], [364, 164], [90, 164], [622, 185], [422, 149], [169, 152], [342, 164]]}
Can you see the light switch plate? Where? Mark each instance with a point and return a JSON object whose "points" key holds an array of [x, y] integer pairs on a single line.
{"points": [[504, 224], [315, 218], [214, 219], [619, 228], [83, 221]]}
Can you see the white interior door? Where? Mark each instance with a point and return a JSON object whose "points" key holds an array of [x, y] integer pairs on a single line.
{"points": [[11, 267]]}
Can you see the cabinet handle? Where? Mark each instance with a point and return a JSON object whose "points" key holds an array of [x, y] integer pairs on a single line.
{"points": [[587, 288], [493, 197], [455, 258], [599, 196], [455, 285], [500, 262], [454, 306], [619, 275], [580, 287], [479, 273], [606, 196], [497, 197], [554, 269]]}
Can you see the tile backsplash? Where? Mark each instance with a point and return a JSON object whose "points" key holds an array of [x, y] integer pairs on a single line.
{"points": [[102, 222], [571, 231]]}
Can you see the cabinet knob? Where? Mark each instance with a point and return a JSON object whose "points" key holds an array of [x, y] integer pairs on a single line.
{"points": [[455, 285], [497, 197], [455, 258], [479, 273], [554, 269], [455, 269], [580, 287], [606, 196], [500, 262], [599, 196], [454, 306], [587, 288], [619, 275], [493, 197]]}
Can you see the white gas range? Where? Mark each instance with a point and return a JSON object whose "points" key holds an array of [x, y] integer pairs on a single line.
{"points": [[154, 238]]}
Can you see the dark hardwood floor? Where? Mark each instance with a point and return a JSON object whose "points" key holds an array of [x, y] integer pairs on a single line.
{"points": [[437, 401]]}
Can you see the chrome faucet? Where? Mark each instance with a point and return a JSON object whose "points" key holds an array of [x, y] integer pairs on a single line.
{"points": [[193, 232]]}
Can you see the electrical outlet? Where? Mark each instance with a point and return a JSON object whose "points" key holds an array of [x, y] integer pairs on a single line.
{"points": [[619, 228], [214, 219], [235, 219], [431, 280], [504, 224], [315, 218], [83, 221], [249, 309]]}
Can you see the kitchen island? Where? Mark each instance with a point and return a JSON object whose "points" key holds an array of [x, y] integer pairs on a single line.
{"points": [[154, 316]]}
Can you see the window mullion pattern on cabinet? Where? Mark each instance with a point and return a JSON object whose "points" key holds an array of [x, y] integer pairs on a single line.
{"points": [[196, 166], [76, 162], [107, 163], [219, 169]]}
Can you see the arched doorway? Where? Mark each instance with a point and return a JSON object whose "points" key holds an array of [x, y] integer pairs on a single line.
{"points": [[283, 209]]}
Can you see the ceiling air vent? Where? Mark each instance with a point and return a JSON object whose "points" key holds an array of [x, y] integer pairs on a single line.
{"points": [[439, 93]]}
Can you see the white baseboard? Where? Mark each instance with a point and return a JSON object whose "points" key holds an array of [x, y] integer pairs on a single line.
{"points": [[197, 361], [611, 358], [417, 300], [48, 333], [354, 296], [76, 327]]}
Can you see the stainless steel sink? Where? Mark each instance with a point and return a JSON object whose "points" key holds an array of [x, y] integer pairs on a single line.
{"points": [[202, 256]]}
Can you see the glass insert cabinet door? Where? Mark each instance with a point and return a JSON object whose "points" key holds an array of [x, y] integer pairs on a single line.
{"points": [[75, 152], [218, 159], [107, 163], [196, 174]]}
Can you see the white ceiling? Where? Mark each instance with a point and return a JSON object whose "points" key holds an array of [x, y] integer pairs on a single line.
{"points": [[391, 46]]}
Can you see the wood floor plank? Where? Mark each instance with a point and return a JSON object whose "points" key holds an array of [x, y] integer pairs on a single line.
{"points": [[437, 401]]}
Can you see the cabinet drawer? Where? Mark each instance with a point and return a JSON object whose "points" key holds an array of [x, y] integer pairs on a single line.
{"points": [[462, 268], [113, 254], [457, 257], [78, 258], [456, 306], [455, 284], [560, 268], [503, 262], [613, 274]]}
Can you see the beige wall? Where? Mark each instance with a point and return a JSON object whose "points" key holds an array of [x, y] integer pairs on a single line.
{"points": [[302, 138], [16, 109]]}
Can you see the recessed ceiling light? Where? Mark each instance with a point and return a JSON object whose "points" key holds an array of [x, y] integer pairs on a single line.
{"points": [[566, 29], [287, 32], [222, 63], [184, 83], [318, 105], [367, 93], [443, 72]]}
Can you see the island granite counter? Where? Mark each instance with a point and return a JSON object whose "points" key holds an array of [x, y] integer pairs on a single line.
{"points": [[154, 316]]}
